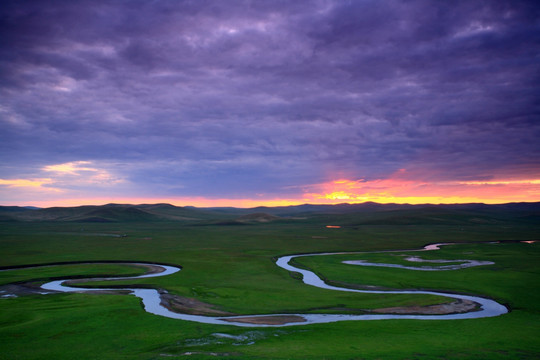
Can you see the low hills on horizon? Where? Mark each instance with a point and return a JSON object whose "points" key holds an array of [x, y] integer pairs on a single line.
{"points": [[345, 214]]}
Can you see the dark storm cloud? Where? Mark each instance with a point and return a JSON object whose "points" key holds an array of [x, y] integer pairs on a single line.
{"points": [[266, 95]]}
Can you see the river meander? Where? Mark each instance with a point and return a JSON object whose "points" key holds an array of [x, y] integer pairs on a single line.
{"points": [[152, 301]]}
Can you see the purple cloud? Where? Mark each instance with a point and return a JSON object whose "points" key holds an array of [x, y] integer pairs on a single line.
{"points": [[239, 98]]}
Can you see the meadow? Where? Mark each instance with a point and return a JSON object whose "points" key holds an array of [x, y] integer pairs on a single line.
{"points": [[230, 267]]}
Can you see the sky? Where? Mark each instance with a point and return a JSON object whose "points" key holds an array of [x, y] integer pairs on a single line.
{"points": [[247, 103]]}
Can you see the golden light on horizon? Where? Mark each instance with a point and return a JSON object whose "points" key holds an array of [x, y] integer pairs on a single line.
{"points": [[404, 191], [395, 189]]}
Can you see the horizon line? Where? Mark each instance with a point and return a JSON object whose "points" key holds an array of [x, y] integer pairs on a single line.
{"points": [[268, 206]]}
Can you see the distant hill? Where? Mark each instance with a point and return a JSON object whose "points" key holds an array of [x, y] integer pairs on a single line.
{"points": [[258, 217], [107, 213], [6, 209], [341, 214], [308, 209]]}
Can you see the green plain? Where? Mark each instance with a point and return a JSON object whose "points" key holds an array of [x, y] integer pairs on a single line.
{"points": [[232, 268]]}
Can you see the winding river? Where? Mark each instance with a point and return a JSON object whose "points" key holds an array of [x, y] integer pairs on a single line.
{"points": [[152, 301]]}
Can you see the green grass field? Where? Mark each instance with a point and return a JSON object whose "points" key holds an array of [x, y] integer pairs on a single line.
{"points": [[233, 269]]}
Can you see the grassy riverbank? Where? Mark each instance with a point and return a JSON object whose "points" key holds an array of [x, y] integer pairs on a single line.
{"points": [[231, 268]]}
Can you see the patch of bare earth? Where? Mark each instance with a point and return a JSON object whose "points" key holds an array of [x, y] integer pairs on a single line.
{"points": [[152, 269], [456, 307], [189, 305], [14, 290], [268, 320]]}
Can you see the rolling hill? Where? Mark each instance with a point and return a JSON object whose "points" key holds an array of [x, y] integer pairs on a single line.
{"points": [[341, 214]]}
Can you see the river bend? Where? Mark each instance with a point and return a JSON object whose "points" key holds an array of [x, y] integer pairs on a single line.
{"points": [[152, 301]]}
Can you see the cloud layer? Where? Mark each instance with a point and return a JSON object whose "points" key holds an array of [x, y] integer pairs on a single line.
{"points": [[259, 99]]}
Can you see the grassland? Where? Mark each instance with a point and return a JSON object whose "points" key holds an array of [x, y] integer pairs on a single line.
{"points": [[231, 267]]}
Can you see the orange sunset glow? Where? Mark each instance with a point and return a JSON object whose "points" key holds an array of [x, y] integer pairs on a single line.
{"points": [[391, 190], [421, 192]]}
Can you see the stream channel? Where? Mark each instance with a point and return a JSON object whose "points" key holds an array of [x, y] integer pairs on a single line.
{"points": [[152, 302]]}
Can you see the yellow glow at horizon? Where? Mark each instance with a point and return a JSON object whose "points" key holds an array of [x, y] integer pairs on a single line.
{"points": [[400, 191], [382, 191], [197, 202], [250, 203]]}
